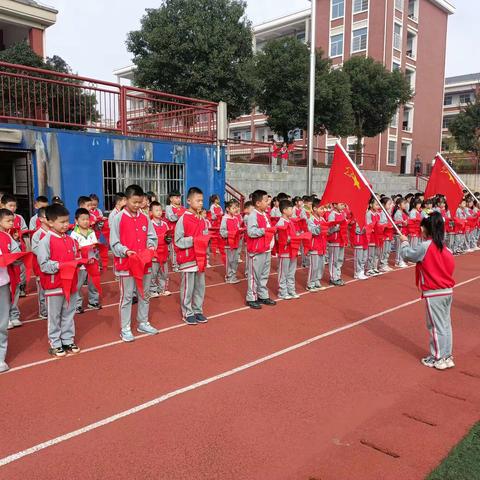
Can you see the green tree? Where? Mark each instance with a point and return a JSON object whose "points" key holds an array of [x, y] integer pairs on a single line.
{"points": [[40, 100], [282, 70], [196, 48], [466, 128], [376, 96]]}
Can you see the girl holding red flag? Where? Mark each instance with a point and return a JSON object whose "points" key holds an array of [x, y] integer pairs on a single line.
{"points": [[87, 241]]}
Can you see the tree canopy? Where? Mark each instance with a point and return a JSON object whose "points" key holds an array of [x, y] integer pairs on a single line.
{"points": [[196, 48], [465, 128]]}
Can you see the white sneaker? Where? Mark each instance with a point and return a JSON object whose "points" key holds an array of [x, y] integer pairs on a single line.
{"points": [[166, 293], [450, 363], [441, 364], [10, 325], [402, 265], [428, 361], [294, 295], [3, 367], [361, 276], [16, 322], [285, 297], [154, 294]]}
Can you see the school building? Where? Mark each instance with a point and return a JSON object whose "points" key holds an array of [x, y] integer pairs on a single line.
{"points": [[406, 35]]}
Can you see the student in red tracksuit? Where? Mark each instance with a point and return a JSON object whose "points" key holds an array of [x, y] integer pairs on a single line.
{"points": [[415, 217], [434, 272], [371, 219], [159, 284], [400, 217], [318, 227], [231, 232], [337, 242], [36, 238], [173, 211]]}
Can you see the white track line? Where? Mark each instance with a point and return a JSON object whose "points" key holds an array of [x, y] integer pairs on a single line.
{"points": [[156, 401]]}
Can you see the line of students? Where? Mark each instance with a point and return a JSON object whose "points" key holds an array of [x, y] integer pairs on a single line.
{"points": [[143, 238]]}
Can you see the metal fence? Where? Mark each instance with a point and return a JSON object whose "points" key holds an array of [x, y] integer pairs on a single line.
{"points": [[160, 178], [46, 98]]}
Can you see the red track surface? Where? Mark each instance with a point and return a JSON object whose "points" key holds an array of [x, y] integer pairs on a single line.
{"points": [[355, 404]]}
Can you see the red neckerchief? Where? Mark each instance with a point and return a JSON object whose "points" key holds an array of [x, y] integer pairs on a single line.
{"points": [[200, 245], [67, 272], [8, 259], [137, 263]]}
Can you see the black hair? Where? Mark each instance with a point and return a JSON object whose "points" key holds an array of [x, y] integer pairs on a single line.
{"points": [[7, 198], [247, 204], [231, 203], [307, 198], [4, 212], [398, 203], [284, 204], [57, 200], [42, 198], [154, 204], [316, 203], [257, 196], [194, 191], [414, 202], [427, 201], [119, 196], [296, 199], [435, 228], [372, 201], [282, 196], [94, 196], [81, 211], [213, 198], [151, 195], [384, 200], [41, 212], [52, 212], [134, 191], [82, 200]]}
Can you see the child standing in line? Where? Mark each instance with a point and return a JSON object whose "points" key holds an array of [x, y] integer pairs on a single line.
{"points": [[189, 228], [400, 217], [54, 249], [305, 214], [159, 285], [317, 225], [336, 243], [275, 213], [371, 220], [287, 260], [415, 217], [173, 211], [86, 239], [231, 232], [131, 233], [435, 267], [216, 212], [359, 242], [384, 251], [36, 237], [459, 229], [40, 202], [260, 242], [120, 201]]}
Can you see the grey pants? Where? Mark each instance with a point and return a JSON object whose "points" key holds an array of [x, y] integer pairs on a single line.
{"points": [[360, 256], [286, 276], [336, 255], [128, 288], [93, 296], [458, 242], [173, 257], [42, 302], [61, 325], [439, 325], [232, 257], [14, 310], [372, 257], [192, 293], [5, 299], [414, 241], [159, 282], [315, 270], [398, 257], [258, 271], [305, 257], [471, 240], [385, 253]]}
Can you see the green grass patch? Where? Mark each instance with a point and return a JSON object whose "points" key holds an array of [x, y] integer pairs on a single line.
{"points": [[463, 462]]}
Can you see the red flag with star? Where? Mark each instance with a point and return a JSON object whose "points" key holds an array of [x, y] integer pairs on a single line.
{"points": [[443, 182], [345, 185]]}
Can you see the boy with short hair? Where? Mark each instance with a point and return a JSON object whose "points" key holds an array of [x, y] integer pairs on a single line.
{"points": [[260, 241], [231, 232], [87, 240], [84, 202], [159, 285], [120, 200], [173, 211], [317, 225], [287, 258], [36, 238], [336, 243], [188, 230], [131, 233], [40, 202], [54, 250]]}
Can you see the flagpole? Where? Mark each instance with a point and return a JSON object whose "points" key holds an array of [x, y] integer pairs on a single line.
{"points": [[354, 165], [455, 174]]}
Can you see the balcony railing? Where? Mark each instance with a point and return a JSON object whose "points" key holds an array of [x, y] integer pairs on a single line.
{"points": [[50, 99]]}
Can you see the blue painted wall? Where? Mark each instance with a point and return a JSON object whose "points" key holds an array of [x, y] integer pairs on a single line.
{"points": [[69, 163]]}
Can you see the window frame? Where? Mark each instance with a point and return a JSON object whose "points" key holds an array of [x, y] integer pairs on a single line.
{"points": [[332, 43], [460, 95], [445, 103], [389, 163], [361, 38], [399, 5], [397, 35], [362, 8], [337, 6]]}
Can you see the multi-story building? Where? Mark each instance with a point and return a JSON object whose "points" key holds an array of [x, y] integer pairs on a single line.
{"points": [[459, 91], [25, 20], [408, 35]]}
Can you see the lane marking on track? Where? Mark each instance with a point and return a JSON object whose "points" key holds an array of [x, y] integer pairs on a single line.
{"points": [[156, 401]]}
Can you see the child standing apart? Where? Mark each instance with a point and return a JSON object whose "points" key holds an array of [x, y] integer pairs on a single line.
{"points": [[231, 232], [317, 225], [54, 249], [159, 285], [435, 267], [336, 243], [287, 260], [131, 233], [260, 241], [87, 240], [189, 228], [36, 237]]}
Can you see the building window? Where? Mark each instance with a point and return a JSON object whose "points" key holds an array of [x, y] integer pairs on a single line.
{"points": [[359, 40], [448, 100], [407, 119], [338, 9], [360, 6], [465, 98], [399, 5], [392, 152], [394, 121], [447, 121], [301, 36], [410, 77], [336, 45], [397, 36], [395, 66], [330, 150], [413, 10]]}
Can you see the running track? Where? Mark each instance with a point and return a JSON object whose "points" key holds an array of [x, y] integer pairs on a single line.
{"points": [[325, 387]]}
